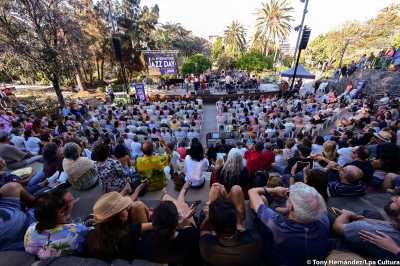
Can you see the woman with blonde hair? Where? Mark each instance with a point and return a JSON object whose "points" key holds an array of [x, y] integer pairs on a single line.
{"points": [[329, 151], [329, 154]]}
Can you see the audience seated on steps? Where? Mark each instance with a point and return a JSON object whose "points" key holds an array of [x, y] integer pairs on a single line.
{"points": [[234, 172], [119, 223], [7, 177], [349, 183], [52, 174], [15, 215], [14, 157], [303, 233], [315, 128], [224, 238], [175, 236], [151, 166], [111, 173], [376, 239], [81, 171], [51, 235], [195, 164]]}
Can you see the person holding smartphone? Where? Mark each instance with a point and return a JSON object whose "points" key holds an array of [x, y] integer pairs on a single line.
{"points": [[298, 163]]}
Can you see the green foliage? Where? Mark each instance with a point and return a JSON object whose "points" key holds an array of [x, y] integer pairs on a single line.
{"points": [[42, 34], [195, 64], [354, 39], [174, 36], [226, 62], [254, 61], [396, 41], [40, 106], [287, 61], [217, 48], [60, 40], [235, 40], [272, 24]]}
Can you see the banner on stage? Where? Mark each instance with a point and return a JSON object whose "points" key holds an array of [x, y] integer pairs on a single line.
{"points": [[161, 63], [140, 92]]}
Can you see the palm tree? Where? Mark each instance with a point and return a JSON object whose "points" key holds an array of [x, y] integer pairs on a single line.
{"points": [[272, 23], [235, 39]]}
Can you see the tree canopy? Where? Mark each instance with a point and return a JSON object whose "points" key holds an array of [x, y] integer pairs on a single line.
{"points": [[42, 34], [272, 24], [68, 42], [195, 64], [235, 39], [353, 39], [254, 61]]}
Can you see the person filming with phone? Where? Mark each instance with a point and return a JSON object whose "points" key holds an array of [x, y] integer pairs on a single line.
{"points": [[300, 161]]}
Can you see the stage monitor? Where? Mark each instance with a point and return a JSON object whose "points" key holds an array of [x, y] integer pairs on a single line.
{"points": [[161, 62]]}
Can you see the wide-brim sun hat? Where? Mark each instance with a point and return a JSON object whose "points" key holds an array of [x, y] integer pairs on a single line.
{"points": [[383, 136], [110, 204]]}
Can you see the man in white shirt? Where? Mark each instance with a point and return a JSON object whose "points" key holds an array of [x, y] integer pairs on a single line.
{"points": [[180, 134], [17, 139], [136, 148], [192, 134], [128, 141], [345, 155]]}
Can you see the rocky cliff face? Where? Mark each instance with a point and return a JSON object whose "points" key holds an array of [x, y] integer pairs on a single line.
{"points": [[379, 82]]}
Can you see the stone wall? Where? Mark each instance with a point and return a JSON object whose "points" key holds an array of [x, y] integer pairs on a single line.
{"points": [[379, 82]]}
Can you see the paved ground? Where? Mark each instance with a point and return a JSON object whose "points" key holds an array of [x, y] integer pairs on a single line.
{"points": [[209, 121]]}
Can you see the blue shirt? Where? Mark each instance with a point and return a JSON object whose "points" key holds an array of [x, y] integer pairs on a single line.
{"points": [[351, 234], [295, 243], [339, 189], [13, 224]]}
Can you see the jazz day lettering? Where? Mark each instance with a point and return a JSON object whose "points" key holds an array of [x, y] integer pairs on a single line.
{"points": [[162, 63]]}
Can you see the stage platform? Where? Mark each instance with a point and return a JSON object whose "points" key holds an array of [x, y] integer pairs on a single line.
{"points": [[209, 96]]}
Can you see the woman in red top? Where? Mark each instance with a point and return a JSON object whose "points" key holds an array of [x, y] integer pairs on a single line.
{"points": [[181, 150]]}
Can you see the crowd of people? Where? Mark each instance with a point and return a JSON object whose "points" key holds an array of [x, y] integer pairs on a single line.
{"points": [[278, 117], [225, 81], [386, 59], [290, 157]]}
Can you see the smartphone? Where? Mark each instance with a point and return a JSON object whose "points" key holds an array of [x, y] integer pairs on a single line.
{"points": [[302, 165], [335, 211]]}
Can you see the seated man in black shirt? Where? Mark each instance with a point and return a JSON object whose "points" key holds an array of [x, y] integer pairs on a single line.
{"points": [[300, 161], [349, 183], [231, 244]]}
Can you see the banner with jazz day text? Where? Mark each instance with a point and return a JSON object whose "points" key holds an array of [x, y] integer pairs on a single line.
{"points": [[161, 64]]}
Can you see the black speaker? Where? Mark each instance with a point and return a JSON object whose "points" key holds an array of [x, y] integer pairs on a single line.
{"points": [[305, 38], [117, 47]]}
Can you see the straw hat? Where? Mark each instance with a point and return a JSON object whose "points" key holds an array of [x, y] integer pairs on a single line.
{"points": [[110, 204], [383, 136]]}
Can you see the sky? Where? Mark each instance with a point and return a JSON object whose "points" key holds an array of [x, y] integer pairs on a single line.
{"points": [[211, 17]]}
